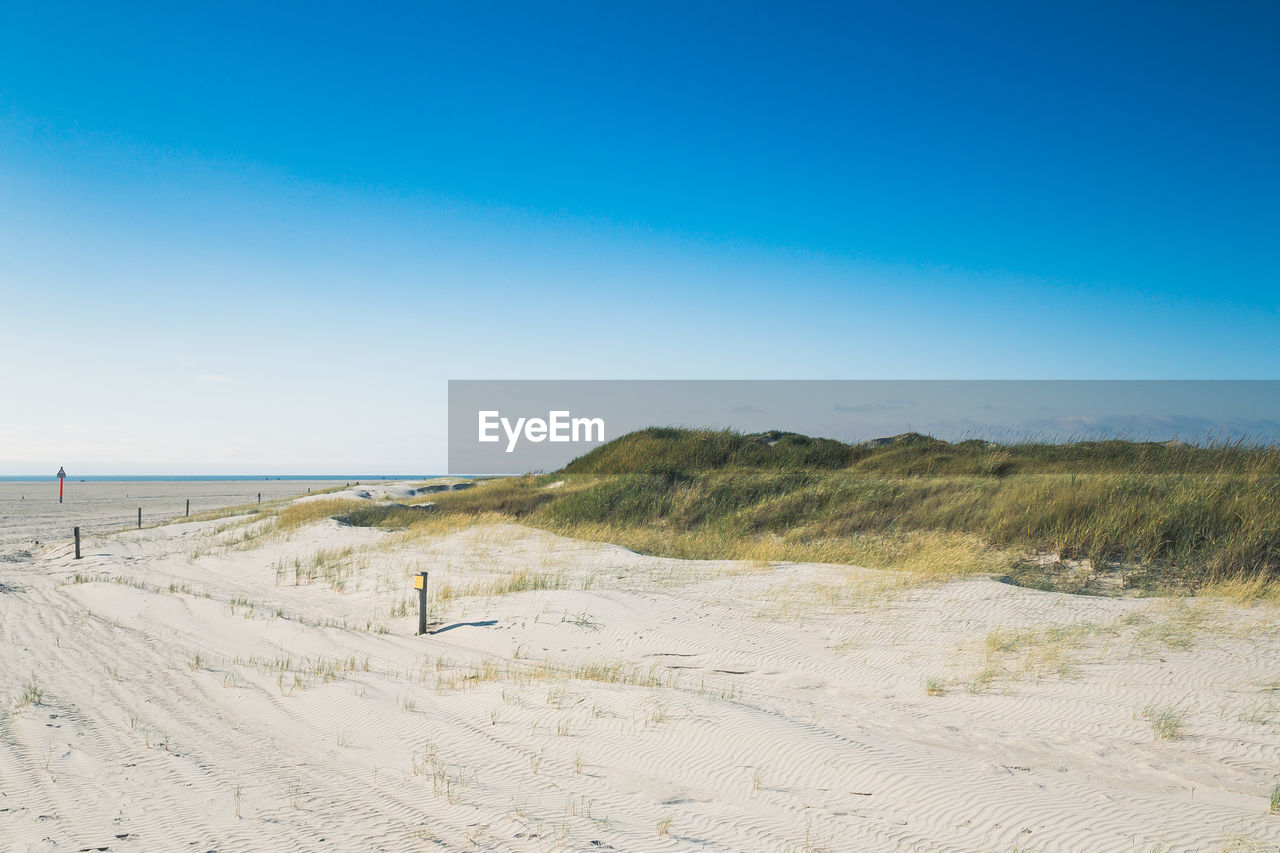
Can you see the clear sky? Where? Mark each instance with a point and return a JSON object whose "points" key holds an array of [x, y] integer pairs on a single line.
{"points": [[257, 238]]}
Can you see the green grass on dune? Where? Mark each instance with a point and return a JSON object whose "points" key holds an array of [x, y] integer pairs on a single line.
{"points": [[1159, 517], [666, 450]]}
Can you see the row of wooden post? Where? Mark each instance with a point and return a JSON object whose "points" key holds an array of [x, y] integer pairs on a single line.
{"points": [[76, 531], [188, 515]]}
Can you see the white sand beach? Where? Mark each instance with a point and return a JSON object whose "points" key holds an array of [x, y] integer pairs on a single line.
{"points": [[195, 686], [30, 511]]}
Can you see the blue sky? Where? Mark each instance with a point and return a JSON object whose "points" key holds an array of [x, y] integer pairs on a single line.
{"points": [[237, 239]]}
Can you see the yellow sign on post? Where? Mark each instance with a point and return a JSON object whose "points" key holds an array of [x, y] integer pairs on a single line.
{"points": [[420, 584]]}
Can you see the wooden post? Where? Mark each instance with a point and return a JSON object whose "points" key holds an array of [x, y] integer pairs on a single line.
{"points": [[139, 518], [421, 583], [188, 507], [259, 497], [77, 543]]}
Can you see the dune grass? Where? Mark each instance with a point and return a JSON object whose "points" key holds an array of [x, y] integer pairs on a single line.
{"points": [[256, 511], [1166, 723], [503, 584], [301, 513], [32, 693], [1082, 517]]}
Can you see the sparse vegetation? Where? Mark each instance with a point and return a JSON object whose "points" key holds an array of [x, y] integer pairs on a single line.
{"points": [[293, 674], [301, 513], [1166, 723], [335, 566], [1038, 653], [252, 511], [503, 584], [32, 693], [449, 676]]}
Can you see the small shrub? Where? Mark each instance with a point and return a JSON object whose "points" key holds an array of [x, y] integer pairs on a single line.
{"points": [[32, 693], [1166, 723]]}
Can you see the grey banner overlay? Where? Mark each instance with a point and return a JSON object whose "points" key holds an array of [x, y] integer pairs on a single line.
{"points": [[849, 410]]}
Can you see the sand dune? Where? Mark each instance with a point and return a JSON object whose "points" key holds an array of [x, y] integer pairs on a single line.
{"points": [[200, 688]]}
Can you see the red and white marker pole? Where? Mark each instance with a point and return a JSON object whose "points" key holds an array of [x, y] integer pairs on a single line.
{"points": [[61, 475]]}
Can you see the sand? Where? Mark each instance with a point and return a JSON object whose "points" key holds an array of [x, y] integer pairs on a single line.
{"points": [[203, 688], [30, 512]]}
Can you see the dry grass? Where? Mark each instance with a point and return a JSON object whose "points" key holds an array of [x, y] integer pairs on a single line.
{"points": [[1037, 653], [295, 674], [1166, 723], [928, 555], [504, 584], [435, 525], [301, 513], [449, 676], [835, 588], [32, 693], [337, 566], [253, 510], [1168, 519], [1173, 624], [1059, 651], [1243, 588]]}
